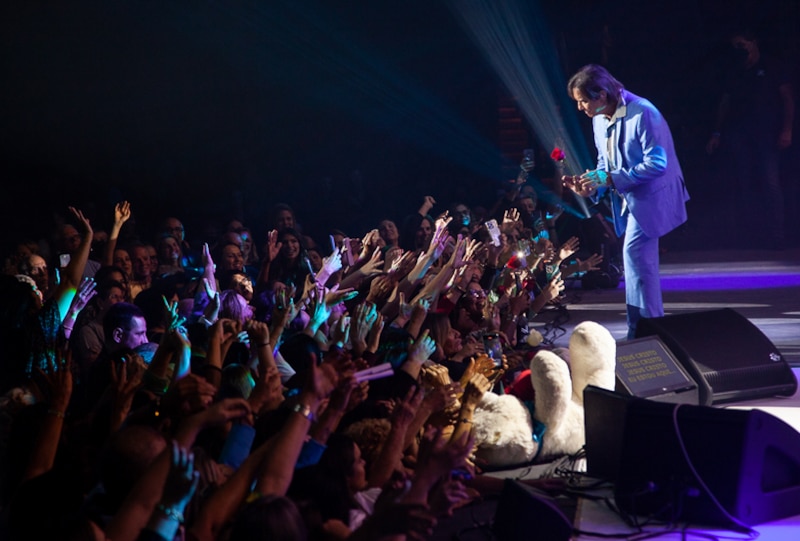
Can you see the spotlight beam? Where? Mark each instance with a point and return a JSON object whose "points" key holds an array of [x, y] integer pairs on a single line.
{"points": [[517, 44]]}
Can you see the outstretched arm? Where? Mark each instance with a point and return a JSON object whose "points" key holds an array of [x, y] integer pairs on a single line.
{"points": [[73, 272], [141, 502], [122, 211], [58, 386]]}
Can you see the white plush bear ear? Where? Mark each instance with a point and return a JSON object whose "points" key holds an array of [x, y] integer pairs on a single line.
{"points": [[552, 387], [593, 353]]}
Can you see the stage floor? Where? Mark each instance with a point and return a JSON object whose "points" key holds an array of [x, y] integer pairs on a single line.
{"points": [[763, 286]]}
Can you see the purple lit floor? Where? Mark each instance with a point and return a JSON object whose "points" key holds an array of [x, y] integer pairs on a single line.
{"points": [[762, 286]]}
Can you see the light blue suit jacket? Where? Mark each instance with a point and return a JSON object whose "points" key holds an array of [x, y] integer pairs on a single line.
{"points": [[645, 169]]}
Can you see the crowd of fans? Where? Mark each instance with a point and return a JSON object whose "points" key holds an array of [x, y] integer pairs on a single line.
{"points": [[284, 389]]}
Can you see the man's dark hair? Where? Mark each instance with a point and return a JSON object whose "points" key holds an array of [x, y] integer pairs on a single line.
{"points": [[120, 315], [592, 79]]}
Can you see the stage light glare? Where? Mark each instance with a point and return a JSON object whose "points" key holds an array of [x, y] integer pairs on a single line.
{"points": [[515, 40]]}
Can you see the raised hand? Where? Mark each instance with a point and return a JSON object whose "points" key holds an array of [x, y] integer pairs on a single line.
{"points": [[568, 248], [469, 347], [374, 336], [590, 264], [181, 481], [428, 203], [519, 303], [122, 212], [330, 265], [55, 383], [258, 332], [320, 381], [402, 266], [229, 409], [458, 257], [372, 265], [474, 247], [174, 320], [440, 235], [226, 330], [404, 308], [380, 289], [511, 217], [84, 227], [369, 244], [443, 397], [283, 312], [340, 334], [438, 456], [474, 390], [334, 295], [421, 350], [126, 378], [391, 258], [404, 412], [365, 316], [419, 310], [318, 310], [273, 247], [554, 288], [189, 394], [267, 395], [86, 291]]}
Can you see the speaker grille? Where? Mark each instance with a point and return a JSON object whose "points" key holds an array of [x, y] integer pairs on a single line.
{"points": [[749, 377]]}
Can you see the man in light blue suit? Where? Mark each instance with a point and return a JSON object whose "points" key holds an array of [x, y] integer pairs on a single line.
{"points": [[638, 169]]}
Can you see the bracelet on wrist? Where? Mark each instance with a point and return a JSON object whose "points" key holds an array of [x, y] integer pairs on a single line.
{"points": [[56, 413], [172, 513], [304, 410]]}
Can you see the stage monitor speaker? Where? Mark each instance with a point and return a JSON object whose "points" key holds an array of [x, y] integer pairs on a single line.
{"points": [[524, 512], [728, 357], [604, 423], [707, 466], [647, 368]]}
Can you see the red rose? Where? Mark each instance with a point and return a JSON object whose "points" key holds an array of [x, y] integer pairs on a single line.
{"points": [[558, 154]]}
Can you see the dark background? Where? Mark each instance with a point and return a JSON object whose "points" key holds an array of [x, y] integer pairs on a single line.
{"points": [[208, 110]]}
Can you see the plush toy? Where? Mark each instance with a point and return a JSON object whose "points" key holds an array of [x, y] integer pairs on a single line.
{"points": [[507, 434], [503, 431], [559, 388]]}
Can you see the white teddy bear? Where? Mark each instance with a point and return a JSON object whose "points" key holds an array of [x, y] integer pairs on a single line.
{"points": [[503, 424]]}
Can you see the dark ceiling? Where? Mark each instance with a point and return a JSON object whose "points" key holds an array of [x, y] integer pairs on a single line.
{"points": [[222, 107]]}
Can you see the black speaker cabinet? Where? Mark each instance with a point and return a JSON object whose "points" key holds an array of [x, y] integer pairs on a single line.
{"points": [[728, 357], [708, 466]]}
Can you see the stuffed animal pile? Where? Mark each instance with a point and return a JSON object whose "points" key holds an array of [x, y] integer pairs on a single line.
{"points": [[504, 426]]}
